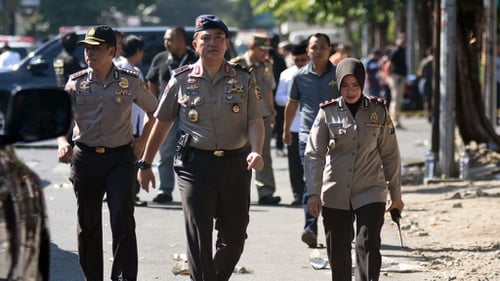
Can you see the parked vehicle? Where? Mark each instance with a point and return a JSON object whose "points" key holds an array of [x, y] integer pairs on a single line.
{"points": [[37, 70], [26, 116]]}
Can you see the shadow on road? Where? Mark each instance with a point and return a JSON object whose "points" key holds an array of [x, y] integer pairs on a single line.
{"points": [[64, 265]]}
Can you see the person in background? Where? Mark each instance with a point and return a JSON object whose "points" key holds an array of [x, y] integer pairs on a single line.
{"points": [[133, 51], [279, 65], [9, 57], [295, 169], [103, 157], [311, 85], [372, 66], [219, 111], [177, 54], [424, 74], [349, 177], [119, 58], [256, 58], [341, 51], [397, 70], [66, 63]]}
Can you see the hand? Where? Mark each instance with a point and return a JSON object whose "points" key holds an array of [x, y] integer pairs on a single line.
{"points": [[64, 152], [397, 204], [314, 205], [145, 177], [287, 137], [255, 161]]}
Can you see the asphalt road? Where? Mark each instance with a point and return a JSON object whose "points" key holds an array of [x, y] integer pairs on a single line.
{"points": [[273, 250]]}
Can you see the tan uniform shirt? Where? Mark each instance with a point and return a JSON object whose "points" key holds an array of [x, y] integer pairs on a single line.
{"points": [[352, 161], [103, 110], [263, 73], [214, 111]]}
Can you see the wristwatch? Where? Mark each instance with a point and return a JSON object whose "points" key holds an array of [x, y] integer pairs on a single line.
{"points": [[141, 164]]}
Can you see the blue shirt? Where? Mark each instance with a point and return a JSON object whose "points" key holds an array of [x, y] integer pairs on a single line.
{"points": [[310, 90]]}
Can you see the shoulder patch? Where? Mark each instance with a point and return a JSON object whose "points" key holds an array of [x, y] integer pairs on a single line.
{"points": [[129, 72], [78, 74], [328, 102], [377, 100], [182, 69]]}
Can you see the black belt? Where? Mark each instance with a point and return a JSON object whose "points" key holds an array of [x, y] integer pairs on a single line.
{"points": [[221, 152], [101, 149]]}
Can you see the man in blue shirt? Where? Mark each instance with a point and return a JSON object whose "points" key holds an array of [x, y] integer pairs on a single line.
{"points": [[312, 85]]}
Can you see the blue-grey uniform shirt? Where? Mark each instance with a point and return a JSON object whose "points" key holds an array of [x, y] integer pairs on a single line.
{"points": [[310, 90]]}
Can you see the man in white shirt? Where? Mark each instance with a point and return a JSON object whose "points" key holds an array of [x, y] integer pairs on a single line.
{"points": [[8, 58], [296, 171]]}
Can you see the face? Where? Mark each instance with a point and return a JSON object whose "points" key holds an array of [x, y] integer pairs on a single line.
{"points": [[318, 49], [211, 44], [119, 45], [99, 56], [173, 42], [259, 54], [300, 60], [350, 89]]}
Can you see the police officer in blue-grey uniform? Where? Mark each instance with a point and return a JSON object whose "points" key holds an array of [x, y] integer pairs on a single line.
{"points": [[103, 158], [219, 112], [66, 63]]}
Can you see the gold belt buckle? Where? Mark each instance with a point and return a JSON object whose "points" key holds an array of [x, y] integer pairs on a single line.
{"points": [[218, 153], [100, 149]]}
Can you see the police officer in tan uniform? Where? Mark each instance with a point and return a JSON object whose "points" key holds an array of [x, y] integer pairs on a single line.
{"points": [[102, 160], [352, 163], [219, 112], [256, 59]]}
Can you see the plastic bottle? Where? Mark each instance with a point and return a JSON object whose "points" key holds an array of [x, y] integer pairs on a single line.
{"points": [[464, 165], [429, 165]]}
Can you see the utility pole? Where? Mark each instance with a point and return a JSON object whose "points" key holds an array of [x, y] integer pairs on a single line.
{"points": [[447, 87], [410, 36]]}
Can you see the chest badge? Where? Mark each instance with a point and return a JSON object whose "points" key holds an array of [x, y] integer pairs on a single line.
{"points": [[123, 83], [193, 115]]}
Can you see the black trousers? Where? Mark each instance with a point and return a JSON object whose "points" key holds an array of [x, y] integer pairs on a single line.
{"points": [[296, 170], [92, 175], [214, 188], [339, 233]]}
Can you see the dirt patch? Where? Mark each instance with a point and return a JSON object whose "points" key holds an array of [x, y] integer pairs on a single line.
{"points": [[454, 228]]}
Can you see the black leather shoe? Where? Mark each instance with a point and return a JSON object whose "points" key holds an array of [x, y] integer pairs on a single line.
{"points": [[296, 202], [163, 198], [269, 200]]}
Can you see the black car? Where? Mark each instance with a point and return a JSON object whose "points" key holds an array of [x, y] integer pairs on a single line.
{"points": [[26, 116], [37, 70]]}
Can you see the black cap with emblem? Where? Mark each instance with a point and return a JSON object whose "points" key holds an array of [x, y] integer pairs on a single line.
{"points": [[97, 35], [205, 22]]}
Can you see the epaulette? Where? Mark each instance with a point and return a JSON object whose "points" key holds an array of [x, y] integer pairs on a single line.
{"points": [[240, 67], [377, 100], [182, 69], [130, 72], [78, 74], [328, 102]]}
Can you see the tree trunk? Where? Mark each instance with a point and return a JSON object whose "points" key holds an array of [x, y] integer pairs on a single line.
{"points": [[470, 111]]}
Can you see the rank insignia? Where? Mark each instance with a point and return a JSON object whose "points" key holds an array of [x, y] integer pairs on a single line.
{"points": [[332, 83], [192, 87], [123, 83]]}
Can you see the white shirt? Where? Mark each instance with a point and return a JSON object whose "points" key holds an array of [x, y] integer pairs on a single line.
{"points": [[282, 94], [8, 59], [137, 116]]}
